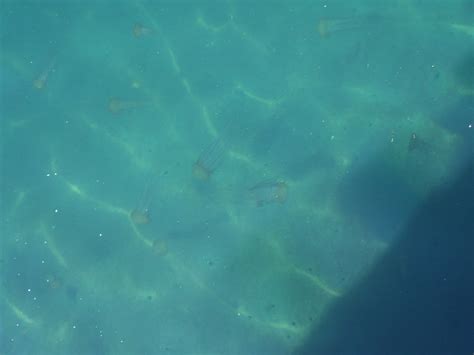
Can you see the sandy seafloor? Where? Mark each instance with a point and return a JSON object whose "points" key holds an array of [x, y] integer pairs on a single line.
{"points": [[359, 110]]}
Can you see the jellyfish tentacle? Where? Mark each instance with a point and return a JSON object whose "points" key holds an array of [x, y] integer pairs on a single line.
{"points": [[216, 155], [209, 160], [141, 213]]}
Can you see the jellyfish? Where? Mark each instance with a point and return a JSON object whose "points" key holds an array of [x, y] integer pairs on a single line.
{"points": [[416, 143], [40, 81], [209, 160], [269, 192], [116, 105], [160, 247], [140, 30], [141, 213], [327, 27], [140, 216], [54, 281]]}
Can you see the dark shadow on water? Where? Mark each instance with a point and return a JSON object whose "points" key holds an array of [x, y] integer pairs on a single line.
{"points": [[375, 195], [457, 117], [418, 299]]}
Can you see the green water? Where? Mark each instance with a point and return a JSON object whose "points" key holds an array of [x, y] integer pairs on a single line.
{"points": [[176, 110]]}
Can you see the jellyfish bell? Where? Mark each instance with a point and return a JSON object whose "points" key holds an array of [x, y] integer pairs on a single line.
{"points": [[140, 217], [200, 172], [140, 30], [39, 83], [160, 247], [117, 105], [280, 192], [54, 282], [135, 84], [328, 27], [322, 28], [114, 105]]}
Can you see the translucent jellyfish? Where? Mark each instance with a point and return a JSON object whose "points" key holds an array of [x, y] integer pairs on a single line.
{"points": [[116, 105], [209, 160], [54, 281], [140, 30], [327, 27], [416, 143], [140, 216], [269, 192], [40, 81], [141, 213], [160, 247]]}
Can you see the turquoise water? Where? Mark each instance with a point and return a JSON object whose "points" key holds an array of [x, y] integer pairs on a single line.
{"points": [[211, 177]]}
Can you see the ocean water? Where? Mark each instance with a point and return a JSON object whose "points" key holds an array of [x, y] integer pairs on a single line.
{"points": [[236, 177]]}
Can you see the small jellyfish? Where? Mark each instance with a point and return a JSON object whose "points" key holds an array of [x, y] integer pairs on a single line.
{"points": [[54, 282], [160, 247], [40, 81], [141, 213], [416, 143], [209, 160], [116, 105], [135, 84], [268, 192], [328, 27], [140, 30], [140, 216]]}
